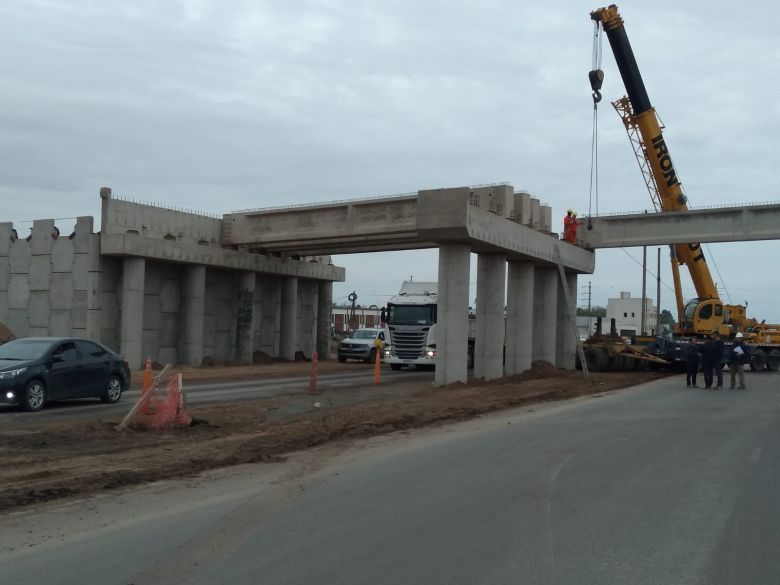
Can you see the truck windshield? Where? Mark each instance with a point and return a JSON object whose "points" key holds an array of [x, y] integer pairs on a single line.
{"points": [[411, 314]]}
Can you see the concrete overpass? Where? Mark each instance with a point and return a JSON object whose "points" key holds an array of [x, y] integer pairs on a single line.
{"points": [[501, 226], [737, 223]]}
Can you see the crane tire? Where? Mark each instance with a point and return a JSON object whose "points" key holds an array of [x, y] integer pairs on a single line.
{"points": [[758, 361], [773, 360]]}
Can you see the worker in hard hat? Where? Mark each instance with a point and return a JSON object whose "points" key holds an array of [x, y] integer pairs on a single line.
{"points": [[738, 357], [570, 225]]}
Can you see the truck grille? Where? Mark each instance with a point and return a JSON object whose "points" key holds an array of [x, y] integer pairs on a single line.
{"points": [[408, 344]]}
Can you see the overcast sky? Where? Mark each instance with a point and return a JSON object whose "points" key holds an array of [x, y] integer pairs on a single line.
{"points": [[224, 105]]}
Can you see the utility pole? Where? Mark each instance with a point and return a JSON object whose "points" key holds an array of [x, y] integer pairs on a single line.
{"points": [[587, 293], [644, 290], [658, 295]]}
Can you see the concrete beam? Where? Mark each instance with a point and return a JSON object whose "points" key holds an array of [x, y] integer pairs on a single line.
{"points": [[486, 218], [489, 338], [131, 326], [452, 327], [519, 317], [276, 229], [739, 223], [170, 251], [445, 215]]}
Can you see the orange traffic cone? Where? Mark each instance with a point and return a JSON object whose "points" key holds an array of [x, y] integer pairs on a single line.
{"points": [[147, 380]]}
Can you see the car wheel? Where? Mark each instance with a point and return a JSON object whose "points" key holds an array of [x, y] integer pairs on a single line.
{"points": [[396, 366], [113, 391], [342, 359], [371, 357], [34, 397]]}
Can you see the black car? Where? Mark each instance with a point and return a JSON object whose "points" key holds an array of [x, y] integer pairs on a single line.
{"points": [[36, 370]]}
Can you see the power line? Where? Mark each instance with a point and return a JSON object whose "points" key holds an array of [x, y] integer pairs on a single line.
{"points": [[648, 271]]}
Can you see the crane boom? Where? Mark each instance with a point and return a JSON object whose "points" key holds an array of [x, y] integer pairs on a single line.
{"points": [[639, 114]]}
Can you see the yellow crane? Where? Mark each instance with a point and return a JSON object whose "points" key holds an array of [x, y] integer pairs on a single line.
{"points": [[706, 313]]}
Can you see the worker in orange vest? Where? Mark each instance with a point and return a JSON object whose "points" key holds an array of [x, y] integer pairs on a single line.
{"points": [[570, 225]]}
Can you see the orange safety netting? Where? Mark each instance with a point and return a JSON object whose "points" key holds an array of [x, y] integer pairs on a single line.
{"points": [[164, 408]]}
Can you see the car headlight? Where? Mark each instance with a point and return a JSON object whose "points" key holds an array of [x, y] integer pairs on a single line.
{"points": [[8, 374], [431, 353]]}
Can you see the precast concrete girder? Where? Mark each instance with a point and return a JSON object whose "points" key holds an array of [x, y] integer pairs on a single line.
{"points": [[739, 223], [483, 218]]}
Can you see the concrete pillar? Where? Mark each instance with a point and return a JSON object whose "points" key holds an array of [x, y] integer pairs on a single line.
{"points": [[245, 305], [545, 313], [519, 317], [491, 286], [194, 294], [288, 334], [324, 310], [452, 327], [131, 326], [567, 344]]}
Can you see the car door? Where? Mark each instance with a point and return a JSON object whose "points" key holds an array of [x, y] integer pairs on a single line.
{"points": [[63, 378], [95, 364]]}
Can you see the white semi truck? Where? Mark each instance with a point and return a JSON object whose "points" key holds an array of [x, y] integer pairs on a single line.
{"points": [[411, 323]]}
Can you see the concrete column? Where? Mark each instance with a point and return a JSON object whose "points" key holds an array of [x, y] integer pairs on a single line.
{"points": [[194, 293], [567, 344], [245, 304], [131, 327], [519, 317], [288, 334], [452, 327], [491, 287], [545, 310], [324, 309]]}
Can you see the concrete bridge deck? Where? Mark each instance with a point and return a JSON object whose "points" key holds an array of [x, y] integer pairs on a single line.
{"points": [[489, 219]]}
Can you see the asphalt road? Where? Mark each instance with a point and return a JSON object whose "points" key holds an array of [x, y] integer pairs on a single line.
{"points": [[204, 393], [655, 485]]}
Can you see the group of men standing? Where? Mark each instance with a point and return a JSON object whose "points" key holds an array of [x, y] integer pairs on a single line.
{"points": [[709, 354]]}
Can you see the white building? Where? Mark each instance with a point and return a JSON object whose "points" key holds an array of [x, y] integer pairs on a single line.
{"points": [[627, 313]]}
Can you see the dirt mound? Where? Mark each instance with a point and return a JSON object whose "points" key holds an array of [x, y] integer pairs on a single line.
{"points": [[6, 334], [260, 357]]}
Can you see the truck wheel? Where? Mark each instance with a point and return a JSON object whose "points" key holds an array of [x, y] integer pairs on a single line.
{"points": [[597, 359], [773, 360], [396, 366], [616, 363], [758, 361]]}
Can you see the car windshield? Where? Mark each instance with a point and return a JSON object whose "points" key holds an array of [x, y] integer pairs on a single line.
{"points": [[364, 334], [23, 350], [411, 314]]}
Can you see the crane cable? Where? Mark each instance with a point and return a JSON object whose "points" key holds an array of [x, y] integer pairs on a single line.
{"points": [[596, 76]]}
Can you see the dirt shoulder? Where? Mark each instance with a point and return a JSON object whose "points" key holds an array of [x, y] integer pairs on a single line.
{"points": [[41, 462]]}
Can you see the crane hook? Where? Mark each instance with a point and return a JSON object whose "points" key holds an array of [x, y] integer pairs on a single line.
{"points": [[596, 77]]}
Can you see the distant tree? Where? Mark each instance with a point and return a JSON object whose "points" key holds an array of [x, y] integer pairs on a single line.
{"points": [[592, 312], [666, 317]]}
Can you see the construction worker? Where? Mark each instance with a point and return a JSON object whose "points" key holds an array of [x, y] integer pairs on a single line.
{"points": [[711, 354], [738, 357], [691, 363], [570, 225]]}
